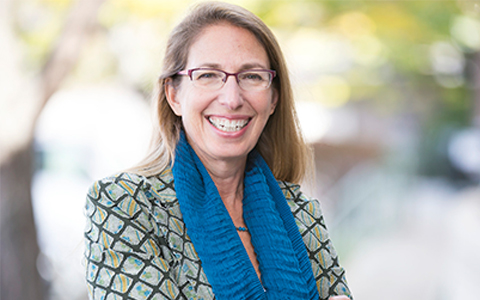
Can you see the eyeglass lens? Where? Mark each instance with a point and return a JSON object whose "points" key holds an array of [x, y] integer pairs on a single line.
{"points": [[248, 80]]}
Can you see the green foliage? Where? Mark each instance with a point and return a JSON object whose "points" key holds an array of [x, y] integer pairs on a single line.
{"points": [[374, 51], [39, 24]]}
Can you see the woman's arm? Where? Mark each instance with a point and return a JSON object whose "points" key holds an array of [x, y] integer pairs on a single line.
{"points": [[126, 255], [328, 272]]}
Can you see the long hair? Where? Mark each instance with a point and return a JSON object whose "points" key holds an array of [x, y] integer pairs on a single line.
{"points": [[281, 143]]}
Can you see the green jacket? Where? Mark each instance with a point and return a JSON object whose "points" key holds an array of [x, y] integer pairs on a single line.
{"points": [[137, 246]]}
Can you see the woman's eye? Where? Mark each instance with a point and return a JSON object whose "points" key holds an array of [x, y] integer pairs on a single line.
{"points": [[252, 77], [207, 76]]}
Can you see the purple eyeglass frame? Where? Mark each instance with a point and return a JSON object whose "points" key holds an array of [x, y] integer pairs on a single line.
{"points": [[190, 71]]}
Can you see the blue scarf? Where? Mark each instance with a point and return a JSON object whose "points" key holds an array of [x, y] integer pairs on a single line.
{"points": [[286, 271]]}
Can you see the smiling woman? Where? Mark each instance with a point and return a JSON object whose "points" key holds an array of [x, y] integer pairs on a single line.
{"points": [[214, 211]]}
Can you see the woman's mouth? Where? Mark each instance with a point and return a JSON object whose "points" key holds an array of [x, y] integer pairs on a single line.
{"points": [[228, 125]]}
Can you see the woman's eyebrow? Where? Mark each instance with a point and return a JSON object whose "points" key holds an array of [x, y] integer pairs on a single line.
{"points": [[210, 65], [253, 66], [247, 66]]}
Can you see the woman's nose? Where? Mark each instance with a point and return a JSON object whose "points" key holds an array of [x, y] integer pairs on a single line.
{"points": [[231, 94]]}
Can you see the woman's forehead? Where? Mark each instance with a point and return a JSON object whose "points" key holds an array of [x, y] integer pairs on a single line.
{"points": [[221, 45]]}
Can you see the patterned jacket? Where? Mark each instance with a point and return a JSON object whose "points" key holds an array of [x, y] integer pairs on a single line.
{"points": [[137, 246]]}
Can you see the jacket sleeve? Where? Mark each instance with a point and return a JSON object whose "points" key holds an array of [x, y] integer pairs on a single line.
{"points": [[126, 255], [328, 273]]}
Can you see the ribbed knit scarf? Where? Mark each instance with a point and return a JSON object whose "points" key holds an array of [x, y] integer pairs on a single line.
{"points": [[285, 268]]}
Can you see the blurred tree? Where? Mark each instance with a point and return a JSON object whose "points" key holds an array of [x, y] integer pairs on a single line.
{"points": [[412, 59], [20, 109]]}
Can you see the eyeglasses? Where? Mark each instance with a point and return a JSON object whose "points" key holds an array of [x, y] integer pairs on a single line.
{"points": [[214, 79]]}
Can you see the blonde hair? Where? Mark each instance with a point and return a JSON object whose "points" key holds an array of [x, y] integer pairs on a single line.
{"points": [[281, 144]]}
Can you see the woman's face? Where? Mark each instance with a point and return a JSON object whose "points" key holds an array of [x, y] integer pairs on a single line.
{"points": [[206, 112]]}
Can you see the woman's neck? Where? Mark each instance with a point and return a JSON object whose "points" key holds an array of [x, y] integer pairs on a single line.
{"points": [[228, 178], [227, 174]]}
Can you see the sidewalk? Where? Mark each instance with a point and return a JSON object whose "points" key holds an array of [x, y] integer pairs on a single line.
{"points": [[433, 255]]}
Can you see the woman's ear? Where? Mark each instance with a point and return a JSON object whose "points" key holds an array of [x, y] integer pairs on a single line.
{"points": [[274, 101], [171, 95]]}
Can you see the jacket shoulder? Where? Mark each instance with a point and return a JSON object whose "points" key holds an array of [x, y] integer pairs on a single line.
{"points": [[123, 185], [300, 203]]}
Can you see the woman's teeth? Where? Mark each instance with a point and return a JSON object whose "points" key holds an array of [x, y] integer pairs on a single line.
{"points": [[228, 125]]}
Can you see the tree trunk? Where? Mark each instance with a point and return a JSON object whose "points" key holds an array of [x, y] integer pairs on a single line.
{"points": [[19, 278]]}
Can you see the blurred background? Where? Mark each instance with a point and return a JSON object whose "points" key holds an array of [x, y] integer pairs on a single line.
{"points": [[388, 94]]}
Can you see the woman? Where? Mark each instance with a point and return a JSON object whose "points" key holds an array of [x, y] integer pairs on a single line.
{"points": [[210, 212]]}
